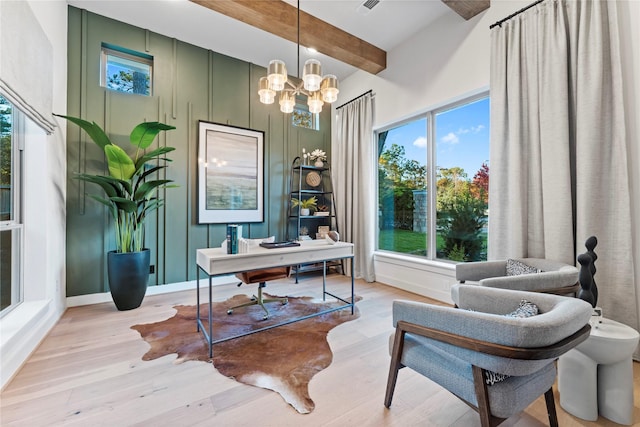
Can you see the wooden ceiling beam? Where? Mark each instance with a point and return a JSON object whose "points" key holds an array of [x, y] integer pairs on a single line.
{"points": [[468, 8], [281, 19]]}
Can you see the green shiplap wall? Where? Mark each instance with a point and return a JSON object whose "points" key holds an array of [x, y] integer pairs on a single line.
{"points": [[189, 84]]}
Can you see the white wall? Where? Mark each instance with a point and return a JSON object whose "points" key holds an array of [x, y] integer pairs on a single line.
{"points": [[448, 60], [44, 221]]}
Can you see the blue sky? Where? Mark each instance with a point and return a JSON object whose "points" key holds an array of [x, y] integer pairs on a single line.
{"points": [[462, 137]]}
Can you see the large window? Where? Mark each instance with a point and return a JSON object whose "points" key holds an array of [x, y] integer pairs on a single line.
{"points": [[10, 217], [433, 180]]}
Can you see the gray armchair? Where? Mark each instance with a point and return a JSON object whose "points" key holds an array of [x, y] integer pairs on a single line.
{"points": [[463, 348], [554, 277]]}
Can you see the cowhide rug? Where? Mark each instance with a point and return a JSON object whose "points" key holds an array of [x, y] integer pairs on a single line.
{"points": [[283, 359]]}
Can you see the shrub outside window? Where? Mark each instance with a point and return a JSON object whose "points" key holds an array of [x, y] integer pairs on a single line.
{"points": [[433, 177]]}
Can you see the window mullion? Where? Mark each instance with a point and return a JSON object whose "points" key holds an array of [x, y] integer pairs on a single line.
{"points": [[431, 187]]}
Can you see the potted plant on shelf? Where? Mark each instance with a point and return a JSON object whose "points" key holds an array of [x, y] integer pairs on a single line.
{"points": [[306, 205], [318, 156], [131, 195]]}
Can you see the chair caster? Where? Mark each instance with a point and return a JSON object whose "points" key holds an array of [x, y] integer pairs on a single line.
{"points": [[285, 302], [265, 317], [230, 311]]}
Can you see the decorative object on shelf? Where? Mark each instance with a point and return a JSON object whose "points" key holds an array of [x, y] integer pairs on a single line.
{"points": [[230, 174], [318, 156], [305, 205], [332, 237], [313, 179], [322, 231], [130, 198], [318, 89]]}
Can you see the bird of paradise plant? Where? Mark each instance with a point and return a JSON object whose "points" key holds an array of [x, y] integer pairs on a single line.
{"points": [[130, 197]]}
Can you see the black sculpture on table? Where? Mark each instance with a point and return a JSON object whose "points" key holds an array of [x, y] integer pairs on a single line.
{"points": [[588, 289], [590, 244]]}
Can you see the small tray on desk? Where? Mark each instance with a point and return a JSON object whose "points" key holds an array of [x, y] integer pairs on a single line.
{"points": [[274, 245]]}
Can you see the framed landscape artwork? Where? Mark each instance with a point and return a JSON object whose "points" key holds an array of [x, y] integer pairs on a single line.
{"points": [[230, 174]]}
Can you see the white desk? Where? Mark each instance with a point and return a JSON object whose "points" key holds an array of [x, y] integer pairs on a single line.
{"points": [[216, 262]]}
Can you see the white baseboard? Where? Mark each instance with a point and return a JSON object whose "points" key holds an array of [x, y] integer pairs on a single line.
{"points": [[423, 277], [151, 290], [419, 289]]}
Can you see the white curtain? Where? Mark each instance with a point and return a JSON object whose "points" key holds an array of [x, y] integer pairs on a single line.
{"points": [[558, 152], [354, 175]]}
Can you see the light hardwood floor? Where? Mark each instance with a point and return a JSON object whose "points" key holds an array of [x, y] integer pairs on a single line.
{"points": [[89, 372]]}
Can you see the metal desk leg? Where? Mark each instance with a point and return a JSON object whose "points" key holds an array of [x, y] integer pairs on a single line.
{"points": [[210, 320], [324, 280], [198, 297]]}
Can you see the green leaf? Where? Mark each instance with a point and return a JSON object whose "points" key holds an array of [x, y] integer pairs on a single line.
{"points": [[125, 204], [148, 187], [92, 129], [120, 164], [152, 155], [150, 171], [108, 187], [143, 135]]}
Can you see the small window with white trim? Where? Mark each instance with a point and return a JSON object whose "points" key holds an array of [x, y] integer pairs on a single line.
{"points": [[125, 70]]}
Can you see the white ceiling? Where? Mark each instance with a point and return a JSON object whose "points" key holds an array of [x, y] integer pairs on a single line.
{"points": [[387, 25]]}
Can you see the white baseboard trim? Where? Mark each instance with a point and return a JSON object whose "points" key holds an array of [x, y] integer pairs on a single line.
{"points": [[415, 288], [152, 290], [428, 278]]}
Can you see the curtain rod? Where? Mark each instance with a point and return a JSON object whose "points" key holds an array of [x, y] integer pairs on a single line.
{"points": [[499, 23], [357, 97]]}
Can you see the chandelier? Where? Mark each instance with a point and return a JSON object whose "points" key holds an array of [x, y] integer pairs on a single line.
{"points": [[318, 89]]}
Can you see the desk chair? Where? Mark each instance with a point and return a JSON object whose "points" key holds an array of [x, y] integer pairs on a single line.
{"points": [[262, 277]]}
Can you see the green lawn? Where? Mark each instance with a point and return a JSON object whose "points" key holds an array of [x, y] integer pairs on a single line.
{"points": [[408, 242], [404, 241]]}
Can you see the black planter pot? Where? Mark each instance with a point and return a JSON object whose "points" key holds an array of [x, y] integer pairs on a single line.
{"points": [[128, 277]]}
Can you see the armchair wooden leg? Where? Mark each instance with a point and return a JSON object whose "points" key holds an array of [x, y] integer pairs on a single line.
{"points": [[395, 365], [482, 396], [551, 408]]}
